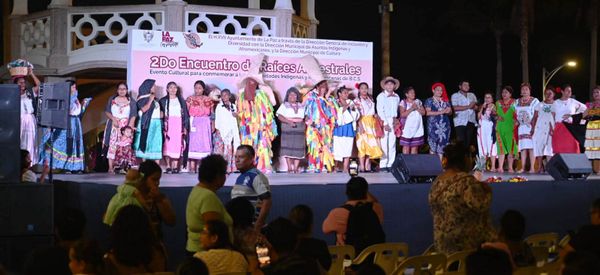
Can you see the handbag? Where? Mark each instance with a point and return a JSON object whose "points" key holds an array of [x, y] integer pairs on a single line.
{"points": [[379, 131], [398, 126]]}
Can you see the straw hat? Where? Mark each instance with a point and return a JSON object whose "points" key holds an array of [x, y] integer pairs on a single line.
{"points": [[312, 68], [255, 74], [389, 78]]}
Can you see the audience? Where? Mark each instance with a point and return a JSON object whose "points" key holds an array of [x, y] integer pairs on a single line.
{"points": [[244, 235], [26, 174], [489, 261], [302, 217], [460, 205], [581, 263], [218, 254], [134, 246], [47, 260], [203, 204], [156, 204], [192, 266], [69, 227], [85, 257], [127, 193], [587, 237], [512, 229]]}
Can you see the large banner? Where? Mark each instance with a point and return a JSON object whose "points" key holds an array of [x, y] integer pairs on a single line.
{"points": [[222, 60]]}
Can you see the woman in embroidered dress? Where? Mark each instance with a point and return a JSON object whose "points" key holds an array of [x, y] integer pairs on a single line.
{"points": [[411, 117], [227, 126], [486, 132], [565, 108], [148, 142], [321, 115], [124, 156], [505, 129], [200, 109], [121, 111], [344, 132], [367, 142], [543, 128], [525, 108], [67, 146], [592, 133], [176, 124], [29, 99], [291, 115], [438, 123]]}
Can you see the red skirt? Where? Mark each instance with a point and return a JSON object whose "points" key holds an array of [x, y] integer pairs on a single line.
{"points": [[563, 141]]}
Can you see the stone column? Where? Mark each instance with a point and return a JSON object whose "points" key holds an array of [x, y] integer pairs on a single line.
{"points": [[283, 5], [310, 13], [15, 37], [20, 8], [174, 15], [254, 4], [284, 10], [58, 58], [60, 4]]}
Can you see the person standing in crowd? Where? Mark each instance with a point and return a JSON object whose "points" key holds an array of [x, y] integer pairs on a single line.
{"points": [[543, 128], [465, 106], [437, 110], [252, 184], [524, 109], [176, 125], [226, 124], [460, 205], [592, 133], [505, 129], [257, 120], [200, 107], [411, 118], [67, 144], [121, 111], [291, 115], [29, 101], [321, 115], [486, 131], [387, 109], [148, 135], [565, 108], [345, 131], [367, 141]]}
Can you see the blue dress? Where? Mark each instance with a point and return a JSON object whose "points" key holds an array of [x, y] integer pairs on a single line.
{"points": [[438, 127]]}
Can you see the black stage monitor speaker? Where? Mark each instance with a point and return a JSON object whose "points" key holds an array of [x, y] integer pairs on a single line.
{"points": [[10, 133], [26, 209], [569, 167], [421, 168], [54, 109]]}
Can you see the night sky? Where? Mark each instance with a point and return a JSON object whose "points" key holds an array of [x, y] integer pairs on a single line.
{"points": [[450, 40]]}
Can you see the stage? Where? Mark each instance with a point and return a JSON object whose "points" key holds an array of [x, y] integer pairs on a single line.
{"points": [[548, 205]]}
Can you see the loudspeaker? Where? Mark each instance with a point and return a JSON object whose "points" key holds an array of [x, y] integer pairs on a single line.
{"points": [[421, 168], [55, 104], [15, 250], [10, 133], [569, 167], [27, 209]]}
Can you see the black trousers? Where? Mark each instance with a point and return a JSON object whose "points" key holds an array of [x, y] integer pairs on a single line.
{"points": [[465, 134]]}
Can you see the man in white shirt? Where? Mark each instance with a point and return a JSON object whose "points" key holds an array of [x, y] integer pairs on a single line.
{"points": [[387, 109], [465, 106]]}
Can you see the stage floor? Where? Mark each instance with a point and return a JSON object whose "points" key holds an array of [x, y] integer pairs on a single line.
{"points": [[188, 179]]}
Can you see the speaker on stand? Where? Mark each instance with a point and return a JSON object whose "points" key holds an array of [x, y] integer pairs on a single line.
{"points": [[569, 167], [421, 168], [10, 133]]}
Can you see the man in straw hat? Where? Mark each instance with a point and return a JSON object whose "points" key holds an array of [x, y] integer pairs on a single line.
{"points": [[320, 119], [257, 120], [387, 109]]}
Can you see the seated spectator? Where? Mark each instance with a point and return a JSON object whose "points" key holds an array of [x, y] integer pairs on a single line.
{"points": [[489, 261], [339, 220], [69, 227], [281, 239], [47, 260], [242, 212], [203, 204], [512, 229], [581, 263], [192, 266], [587, 237], [26, 174], [460, 205], [127, 193], [302, 217], [156, 205], [85, 257], [218, 254], [134, 245]]}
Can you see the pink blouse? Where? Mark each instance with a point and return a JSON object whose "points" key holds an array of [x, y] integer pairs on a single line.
{"points": [[199, 105]]}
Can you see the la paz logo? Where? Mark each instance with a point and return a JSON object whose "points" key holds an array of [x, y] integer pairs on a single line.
{"points": [[148, 35], [168, 40], [192, 40]]}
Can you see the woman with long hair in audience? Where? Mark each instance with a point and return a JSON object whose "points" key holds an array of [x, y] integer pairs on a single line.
{"points": [[302, 217], [121, 111], [505, 129], [438, 110], [200, 109], [460, 205], [176, 126], [565, 108], [592, 133], [148, 142], [367, 141], [245, 237], [218, 254], [411, 118], [227, 126], [525, 108], [486, 132], [85, 257], [291, 115], [156, 204], [543, 128]]}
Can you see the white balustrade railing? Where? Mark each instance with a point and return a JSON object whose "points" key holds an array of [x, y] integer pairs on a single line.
{"points": [[238, 21], [35, 38]]}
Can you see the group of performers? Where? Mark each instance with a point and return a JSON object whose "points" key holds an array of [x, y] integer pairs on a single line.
{"points": [[321, 125]]}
